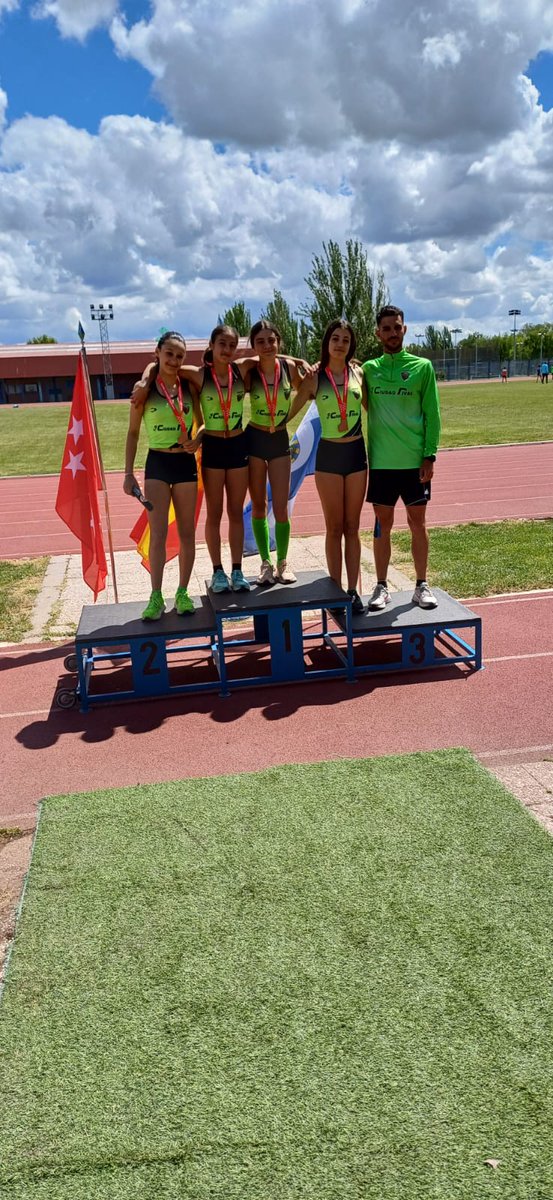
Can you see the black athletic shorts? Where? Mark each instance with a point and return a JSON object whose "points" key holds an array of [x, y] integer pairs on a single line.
{"points": [[171, 468], [225, 454], [386, 487], [266, 445], [341, 458]]}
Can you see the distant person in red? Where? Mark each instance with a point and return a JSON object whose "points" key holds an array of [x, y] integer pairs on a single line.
{"points": [[504, 374]]}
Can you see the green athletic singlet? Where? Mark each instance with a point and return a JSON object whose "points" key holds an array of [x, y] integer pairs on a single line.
{"points": [[162, 426], [328, 409], [404, 410], [260, 414], [211, 404]]}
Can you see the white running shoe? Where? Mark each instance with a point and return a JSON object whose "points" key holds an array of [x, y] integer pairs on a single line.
{"points": [[424, 597], [379, 599], [283, 574], [266, 576]]}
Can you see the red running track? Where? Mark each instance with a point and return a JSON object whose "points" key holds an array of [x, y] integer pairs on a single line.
{"points": [[487, 483], [503, 714]]}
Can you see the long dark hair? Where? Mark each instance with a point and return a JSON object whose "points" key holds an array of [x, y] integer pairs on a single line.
{"points": [[219, 331], [340, 324], [263, 324], [169, 333]]}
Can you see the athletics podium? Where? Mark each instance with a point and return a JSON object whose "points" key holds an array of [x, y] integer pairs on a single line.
{"points": [[283, 634]]}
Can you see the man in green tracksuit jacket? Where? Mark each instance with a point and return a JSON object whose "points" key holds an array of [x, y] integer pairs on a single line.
{"points": [[404, 430]]}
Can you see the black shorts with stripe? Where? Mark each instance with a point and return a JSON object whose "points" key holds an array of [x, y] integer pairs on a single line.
{"points": [[387, 487]]}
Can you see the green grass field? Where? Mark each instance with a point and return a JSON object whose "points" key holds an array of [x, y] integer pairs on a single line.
{"points": [[19, 584], [479, 559], [322, 981], [32, 438]]}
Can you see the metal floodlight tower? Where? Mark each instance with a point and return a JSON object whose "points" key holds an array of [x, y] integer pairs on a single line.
{"points": [[514, 313], [455, 332], [103, 315]]}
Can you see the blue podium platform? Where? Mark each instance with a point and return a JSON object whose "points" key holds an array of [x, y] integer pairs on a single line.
{"points": [[154, 653], [120, 657], [277, 617], [407, 638]]}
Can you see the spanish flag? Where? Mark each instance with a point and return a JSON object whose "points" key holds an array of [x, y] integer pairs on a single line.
{"points": [[140, 533]]}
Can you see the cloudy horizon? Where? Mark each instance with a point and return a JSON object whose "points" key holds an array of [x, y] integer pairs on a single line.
{"points": [[201, 154]]}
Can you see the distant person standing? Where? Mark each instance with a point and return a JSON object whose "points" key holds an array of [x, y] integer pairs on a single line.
{"points": [[404, 430], [538, 373], [545, 372], [504, 376]]}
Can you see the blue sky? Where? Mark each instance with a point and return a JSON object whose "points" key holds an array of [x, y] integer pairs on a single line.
{"points": [[113, 185], [48, 75]]}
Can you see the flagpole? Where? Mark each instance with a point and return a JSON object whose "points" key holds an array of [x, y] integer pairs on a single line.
{"points": [[100, 460]]}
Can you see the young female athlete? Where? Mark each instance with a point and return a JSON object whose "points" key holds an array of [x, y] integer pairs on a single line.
{"points": [[224, 454], [168, 412], [270, 383], [341, 464], [220, 384]]}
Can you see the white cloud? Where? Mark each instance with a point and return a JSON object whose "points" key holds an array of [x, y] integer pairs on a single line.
{"points": [[445, 50], [76, 18], [289, 71], [412, 127], [146, 217]]}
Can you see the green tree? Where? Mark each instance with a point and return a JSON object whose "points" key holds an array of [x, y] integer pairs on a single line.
{"points": [[501, 347], [43, 340], [280, 314], [437, 340], [535, 341], [239, 317], [343, 285]]}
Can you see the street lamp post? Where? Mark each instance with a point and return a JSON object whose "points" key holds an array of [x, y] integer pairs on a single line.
{"points": [[514, 313], [103, 315], [455, 332], [419, 337]]}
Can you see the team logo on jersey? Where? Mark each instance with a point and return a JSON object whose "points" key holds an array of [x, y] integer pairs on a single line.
{"points": [[405, 374]]}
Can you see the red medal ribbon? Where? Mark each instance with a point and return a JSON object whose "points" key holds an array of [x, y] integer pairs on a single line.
{"points": [[342, 400], [178, 411], [271, 400], [225, 404]]}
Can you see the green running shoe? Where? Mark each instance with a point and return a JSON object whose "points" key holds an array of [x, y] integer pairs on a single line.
{"points": [[154, 608], [183, 602]]}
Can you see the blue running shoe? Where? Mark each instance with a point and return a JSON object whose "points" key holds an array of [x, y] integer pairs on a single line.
{"points": [[239, 581], [220, 582]]}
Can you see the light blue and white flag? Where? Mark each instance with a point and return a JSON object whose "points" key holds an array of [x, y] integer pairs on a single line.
{"points": [[303, 451]]}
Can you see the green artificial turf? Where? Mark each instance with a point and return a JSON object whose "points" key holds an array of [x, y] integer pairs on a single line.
{"points": [[328, 981], [32, 437], [482, 560]]}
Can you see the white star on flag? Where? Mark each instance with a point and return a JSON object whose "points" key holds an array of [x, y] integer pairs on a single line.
{"points": [[75, 463], [76, 430]]}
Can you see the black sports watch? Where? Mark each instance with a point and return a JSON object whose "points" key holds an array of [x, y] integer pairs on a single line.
{"points": [[430, 457]]}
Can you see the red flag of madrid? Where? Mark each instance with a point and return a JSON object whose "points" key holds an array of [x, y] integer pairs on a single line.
{"points": [[80, 480]]}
